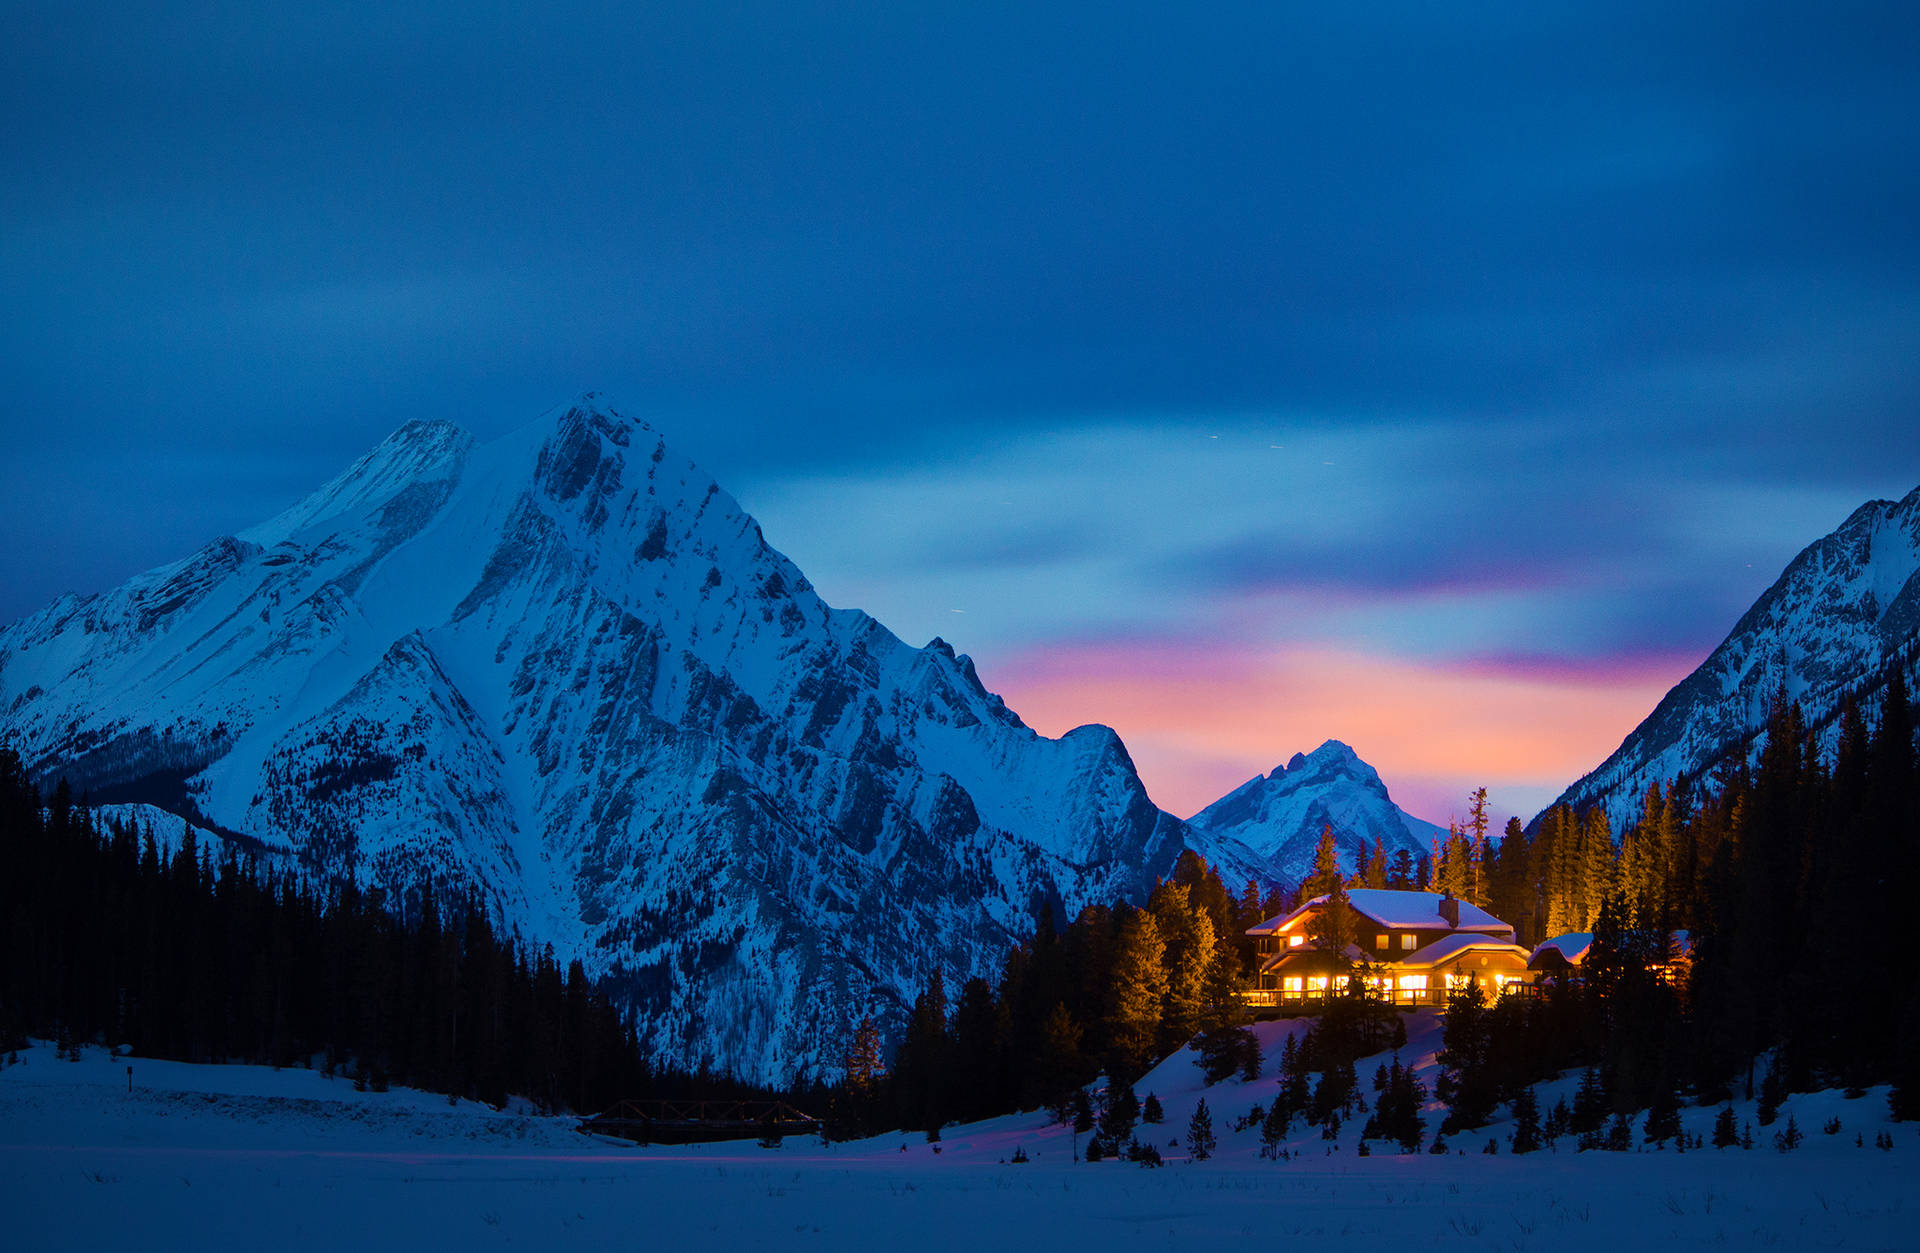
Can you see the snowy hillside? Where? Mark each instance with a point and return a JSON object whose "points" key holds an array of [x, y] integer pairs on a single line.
{"points": [[564, 671], [1279, 816], [1840, 612]]}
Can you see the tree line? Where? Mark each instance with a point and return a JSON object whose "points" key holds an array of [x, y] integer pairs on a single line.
{"points": [[205, 956], [1111, 993]]}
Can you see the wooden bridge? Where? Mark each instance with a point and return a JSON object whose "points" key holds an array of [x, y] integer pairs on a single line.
{"points": [[697, 1122]]}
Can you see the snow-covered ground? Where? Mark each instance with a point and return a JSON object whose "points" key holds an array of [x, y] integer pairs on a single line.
{"points": [[246, 1157]]}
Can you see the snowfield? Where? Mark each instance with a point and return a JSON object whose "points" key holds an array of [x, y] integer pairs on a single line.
{"points": [[200, 1157]]}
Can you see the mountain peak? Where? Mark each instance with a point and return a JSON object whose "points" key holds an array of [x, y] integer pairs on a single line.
{"points": [[1844, 609], [566, 672], [1279, 816]]}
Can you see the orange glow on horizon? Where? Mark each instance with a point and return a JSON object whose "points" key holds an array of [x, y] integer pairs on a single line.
{"points": [[1200, 721]]}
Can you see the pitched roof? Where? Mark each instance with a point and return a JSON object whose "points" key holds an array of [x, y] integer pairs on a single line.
{"points": [[1459, 944], [1571, 947], [1391, 907]]}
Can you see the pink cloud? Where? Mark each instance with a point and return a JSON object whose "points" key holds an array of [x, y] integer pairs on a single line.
{"points": [[1201, 719]]}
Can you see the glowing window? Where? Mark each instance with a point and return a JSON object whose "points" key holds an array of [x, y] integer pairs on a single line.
{"points": [[1290, 983], [1413, 983], [1295, 941], [1317, 984], [1379, 942], [1408, 941]]}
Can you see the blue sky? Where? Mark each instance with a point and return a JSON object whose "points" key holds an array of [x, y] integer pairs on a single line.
{"points": [[1527, 341]]}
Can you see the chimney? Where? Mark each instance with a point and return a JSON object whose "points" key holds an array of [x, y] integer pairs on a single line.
{"points": [[1450, 909]]}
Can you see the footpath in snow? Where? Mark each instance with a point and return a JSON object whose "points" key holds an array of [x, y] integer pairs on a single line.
{"points": [[200, 1157]]}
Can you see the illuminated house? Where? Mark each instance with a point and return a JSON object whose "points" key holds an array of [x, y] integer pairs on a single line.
{"points": [[1409, 947]]}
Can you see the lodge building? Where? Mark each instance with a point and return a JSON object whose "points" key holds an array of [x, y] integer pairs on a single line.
{"points": [[1410, 948]]}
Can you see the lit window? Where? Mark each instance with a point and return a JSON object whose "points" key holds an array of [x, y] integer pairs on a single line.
{"points": [[1290, 984], [1317, 984], [1408, 941], [1379, 943], [1413, 983], [1295, 941]]}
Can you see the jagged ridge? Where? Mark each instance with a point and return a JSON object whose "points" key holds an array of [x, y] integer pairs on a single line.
{"points": [[1841, 612], [564, 671]]}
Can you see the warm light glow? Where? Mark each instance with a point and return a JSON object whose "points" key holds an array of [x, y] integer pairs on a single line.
{"points": [[1318, 983], [1295, 941], [1290, 983], [1200, 720], [1413, 983]]}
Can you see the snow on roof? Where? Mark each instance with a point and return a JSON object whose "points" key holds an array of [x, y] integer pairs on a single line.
{"points": [[1391, 907], [1460, 943], [1572, 947]]}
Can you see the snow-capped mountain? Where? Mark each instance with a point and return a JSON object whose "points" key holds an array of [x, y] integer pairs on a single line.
{"points": [[1843, 609], [1279, 816], [564, 671]]}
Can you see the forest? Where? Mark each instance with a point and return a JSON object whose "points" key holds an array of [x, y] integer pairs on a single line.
{"points": [[1789, 882], [104, 938], [1779, 892]]}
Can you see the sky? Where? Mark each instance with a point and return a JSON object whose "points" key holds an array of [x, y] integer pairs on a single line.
{"points": [[1446, 381]]}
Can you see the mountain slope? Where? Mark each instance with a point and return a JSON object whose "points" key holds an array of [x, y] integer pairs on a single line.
{"points": [[1839, 614], [1279, 816], [564, 671]]}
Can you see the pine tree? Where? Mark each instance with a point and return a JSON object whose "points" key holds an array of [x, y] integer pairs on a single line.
{"points": [[1058, 1063], [1273, 1129], [1376, 871], [1121, 1112], [1526, 1121], [1663, 1119], [1326, 867], [1726, 1129], [1200, 1140], [1330, 928], [1475, 887], [1151, 1111], [1138, 995]]}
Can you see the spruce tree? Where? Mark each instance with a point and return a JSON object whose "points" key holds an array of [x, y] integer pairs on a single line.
{"points": [[1273, 1129], [1526, 1121], [1325, 875], [1200, 1140], [1663, 1119], [1137, 996]]}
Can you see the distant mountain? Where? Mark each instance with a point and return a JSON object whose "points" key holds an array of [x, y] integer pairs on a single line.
{"points": [[565, 672], [1841, 612], [1278, 816]]}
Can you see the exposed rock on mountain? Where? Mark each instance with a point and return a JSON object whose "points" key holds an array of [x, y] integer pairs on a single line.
{"points": [[565, 672], [1843, 610]]}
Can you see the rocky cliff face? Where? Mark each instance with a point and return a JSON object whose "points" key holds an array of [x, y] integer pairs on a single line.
{"points": [[1843, 610], [565, 671]]}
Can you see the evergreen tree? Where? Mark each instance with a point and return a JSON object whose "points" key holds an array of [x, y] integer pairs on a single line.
{"points": [[1474, 887], [1663, 1119], [1375, 874], [1200, 1139], [1526, 1122], [1325, 875], [1466, 1082], [1121, 1112], [1138, 994], [1726, 1129], [1273, 1129], [1330, 929]]}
